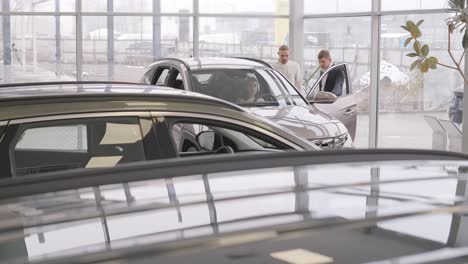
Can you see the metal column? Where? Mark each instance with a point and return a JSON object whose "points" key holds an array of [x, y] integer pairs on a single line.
{"points": [[196, 27], [296, 31], [301, 181], [375, 75], [58, 37], [110, 40], [156, 29], [6, 27], [465, 113], [79, 42]]}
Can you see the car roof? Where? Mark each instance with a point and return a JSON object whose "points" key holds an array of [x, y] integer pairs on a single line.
{"points": [[19, 101], [328, 203], [196, 63], [12, 95], [21, 91]]}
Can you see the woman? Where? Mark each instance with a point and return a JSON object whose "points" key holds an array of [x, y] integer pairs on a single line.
{"points": [[251, 92]]}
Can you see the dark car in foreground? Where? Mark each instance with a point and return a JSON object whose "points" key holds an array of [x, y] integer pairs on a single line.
{"points": [[60, 126], [276, 98], [381, 206]]}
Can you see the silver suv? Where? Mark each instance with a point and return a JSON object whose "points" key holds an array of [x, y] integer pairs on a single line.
{"points": [[275, 97]]}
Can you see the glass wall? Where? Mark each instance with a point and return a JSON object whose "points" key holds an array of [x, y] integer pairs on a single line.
{"points": [[42, 45], [407, 96], [349, 41], [388, 5], [275, 7], [242, 37], [336, 6]]}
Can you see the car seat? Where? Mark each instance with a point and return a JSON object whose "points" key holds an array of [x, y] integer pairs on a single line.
{"points": [[222, 87], [179, 84]]}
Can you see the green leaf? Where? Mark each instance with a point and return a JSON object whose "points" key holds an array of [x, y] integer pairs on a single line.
{"points": [[412, 55], [405, 28], [415, 32], [408, 40], [432, 65], [433, 60], [425, 50], [465, 40], [425, 66], [410, 25], [417, 47], [419, 22], [415, 64]]}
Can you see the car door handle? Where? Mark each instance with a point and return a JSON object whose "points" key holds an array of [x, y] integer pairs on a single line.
{"points": [[350, 111]]}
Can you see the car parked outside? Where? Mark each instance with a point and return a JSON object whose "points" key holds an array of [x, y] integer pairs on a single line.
{"points": [[274, 96], [456, 106], [51, 127]]}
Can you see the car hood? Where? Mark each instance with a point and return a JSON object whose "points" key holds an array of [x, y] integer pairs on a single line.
{"points": [[305, 121]]}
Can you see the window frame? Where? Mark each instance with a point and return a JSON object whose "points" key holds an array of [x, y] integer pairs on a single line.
{"points": [[346, 82], [157, 73], [17, 126]]}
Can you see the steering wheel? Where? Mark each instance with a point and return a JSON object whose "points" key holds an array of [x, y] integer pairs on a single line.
{"points": [[224, 150]]}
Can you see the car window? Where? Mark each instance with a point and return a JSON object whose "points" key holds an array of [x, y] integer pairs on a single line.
{"points": [[66, 138], [207, 138], [161, 79], [175, 80], [77, 143], [317, 81], [245, 87], [149, 75]]}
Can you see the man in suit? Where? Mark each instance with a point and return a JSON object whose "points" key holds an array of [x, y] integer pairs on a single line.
{"points": [[333, 81]]}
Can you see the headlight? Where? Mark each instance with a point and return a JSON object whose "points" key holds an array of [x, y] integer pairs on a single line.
{"points": [[349, 144], [336, 143]]}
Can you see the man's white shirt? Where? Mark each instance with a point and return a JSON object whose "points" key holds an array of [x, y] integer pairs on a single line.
{"points": [[292, 71]]}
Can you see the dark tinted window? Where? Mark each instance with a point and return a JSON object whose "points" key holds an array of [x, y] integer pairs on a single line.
{"points": [[78, 143], [162, 77], [203, 138]]}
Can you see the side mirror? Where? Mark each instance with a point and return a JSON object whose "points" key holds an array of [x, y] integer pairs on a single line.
{"points": [[206, 140], [324, 98]]}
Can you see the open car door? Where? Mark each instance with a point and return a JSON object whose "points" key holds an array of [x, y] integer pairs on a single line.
{"points": [[342, 107]]}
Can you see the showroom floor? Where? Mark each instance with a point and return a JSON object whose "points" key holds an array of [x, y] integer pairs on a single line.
{"points": [[398, 130]]}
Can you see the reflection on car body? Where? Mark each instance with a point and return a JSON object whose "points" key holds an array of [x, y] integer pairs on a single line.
{"points": [[275, 99], [51, 127], [346, 207]]}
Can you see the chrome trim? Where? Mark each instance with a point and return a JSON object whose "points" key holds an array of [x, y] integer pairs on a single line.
{"points": [[229, 120], [76, 116]]}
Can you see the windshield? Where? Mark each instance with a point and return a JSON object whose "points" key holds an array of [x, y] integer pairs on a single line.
{"points": [[246, 87], [311, 79]]}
